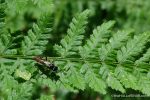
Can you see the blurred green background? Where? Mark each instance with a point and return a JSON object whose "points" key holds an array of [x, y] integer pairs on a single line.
{"points": [[129, 14]]}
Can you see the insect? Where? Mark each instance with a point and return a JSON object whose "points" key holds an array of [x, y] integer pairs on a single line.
{"points": [[46, 63], [47, 68]]}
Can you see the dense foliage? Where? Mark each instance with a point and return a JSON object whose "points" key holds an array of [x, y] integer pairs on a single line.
{"points": [[103, 51]]}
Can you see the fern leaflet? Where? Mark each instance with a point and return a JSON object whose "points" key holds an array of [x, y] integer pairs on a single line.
{"points": [[73, 39]]}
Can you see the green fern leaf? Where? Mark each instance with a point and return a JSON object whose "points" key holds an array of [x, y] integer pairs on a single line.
{"points": [[132, 48], [24, 92], [76, 78], [11, 88], [6, 44], [73, 39], [127, 79], [108, 51], [7, 85], [144, 59], [143, 81], [114, 83], [144, 84], [34, 43], [99, 36], [64, 83], [111, 80], [95, 82]]}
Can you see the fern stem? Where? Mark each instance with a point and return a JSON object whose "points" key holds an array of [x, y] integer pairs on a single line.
{"points": [[96, 60]]}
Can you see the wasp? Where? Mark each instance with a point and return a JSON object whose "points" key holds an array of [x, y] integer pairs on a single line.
{"points": [[46, 63]]}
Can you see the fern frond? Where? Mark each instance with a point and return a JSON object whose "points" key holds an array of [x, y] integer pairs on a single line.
{"points": [[143, 82], [126, 78], [7, 85], [110, 78], [24, 92], [34, 43], [99, 36], [46, 8], [108, 51], [6, 65], [73, 39], [11, 88], [132, 48], [72, 76], [114, 83], [144, 59], [75, 77], [64, 83], [97, 64], [6, 43], [94, 81]]}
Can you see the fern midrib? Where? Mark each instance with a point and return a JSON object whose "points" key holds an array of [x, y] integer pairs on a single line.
{"points": [[54, 58], [83, 60]]}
